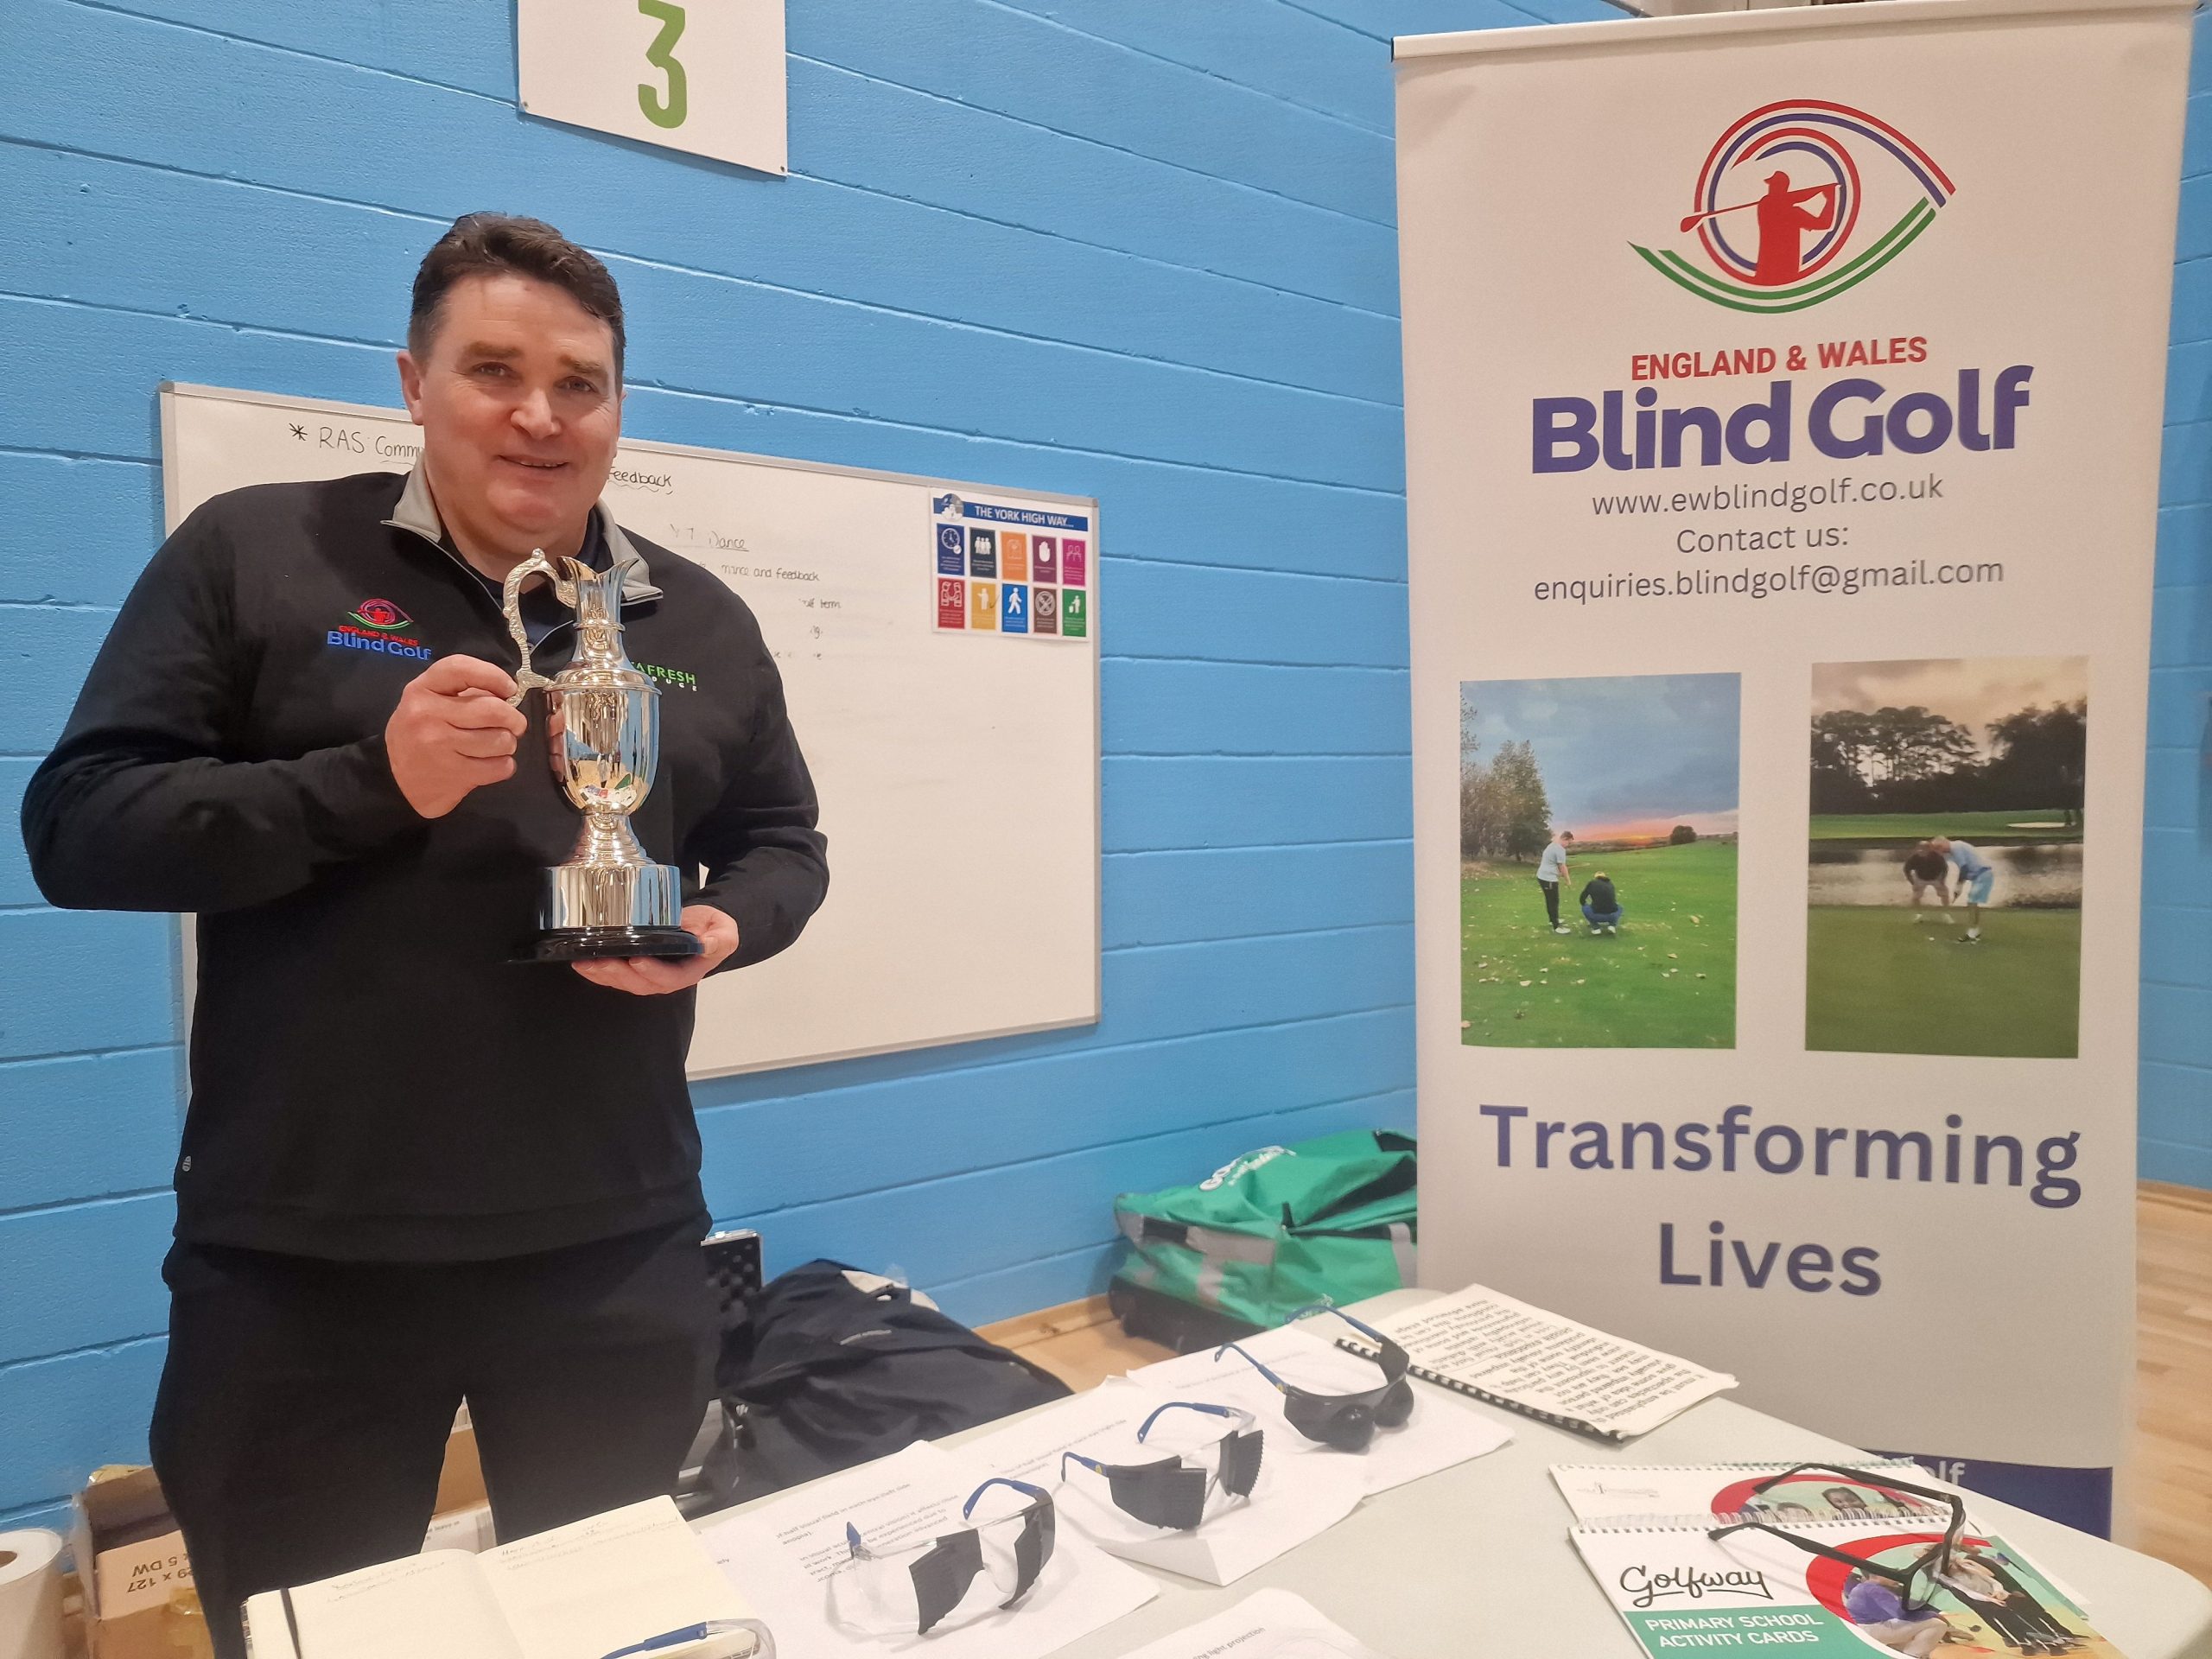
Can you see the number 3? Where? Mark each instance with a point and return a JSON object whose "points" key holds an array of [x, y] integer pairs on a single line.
{"points": [[661, 112]]}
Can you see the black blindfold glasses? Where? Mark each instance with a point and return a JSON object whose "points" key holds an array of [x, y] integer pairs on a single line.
{"points": [[900, 1592], [1915, 1582], [1172, 1492], [1346, 1421]]}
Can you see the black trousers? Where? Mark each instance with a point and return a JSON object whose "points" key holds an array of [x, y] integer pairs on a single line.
{"points": [[303, 1410], [1551, 899]]}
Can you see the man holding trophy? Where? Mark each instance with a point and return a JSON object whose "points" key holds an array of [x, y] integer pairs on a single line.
{"points": [[439, 1144]]}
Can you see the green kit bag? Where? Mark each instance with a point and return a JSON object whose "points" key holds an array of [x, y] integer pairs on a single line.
{"points": [[1330, 1219]]}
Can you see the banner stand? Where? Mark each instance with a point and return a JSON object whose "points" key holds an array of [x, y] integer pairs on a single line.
{"points": [[1783, 403]]}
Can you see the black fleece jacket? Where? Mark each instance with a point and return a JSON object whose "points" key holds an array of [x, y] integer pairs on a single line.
{"points": [[372, 1078]]}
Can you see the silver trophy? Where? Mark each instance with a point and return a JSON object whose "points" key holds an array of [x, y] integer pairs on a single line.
{"points": [[603, 723]]}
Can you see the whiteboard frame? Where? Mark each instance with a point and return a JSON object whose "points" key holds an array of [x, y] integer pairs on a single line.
{"points": [[168, 392]]}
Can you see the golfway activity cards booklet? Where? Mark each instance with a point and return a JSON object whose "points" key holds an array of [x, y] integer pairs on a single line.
{"points": [[1830, 1589]]}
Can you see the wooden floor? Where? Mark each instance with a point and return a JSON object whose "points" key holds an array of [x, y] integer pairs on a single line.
{"points": [[2173, 1371], [2172, 1473]]}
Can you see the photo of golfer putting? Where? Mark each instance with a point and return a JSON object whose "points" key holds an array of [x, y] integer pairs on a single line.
{"points": [[1944, 872], [1598, 862]]}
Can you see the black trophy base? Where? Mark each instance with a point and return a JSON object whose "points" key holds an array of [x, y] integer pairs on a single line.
{"points": [[592, 944]]}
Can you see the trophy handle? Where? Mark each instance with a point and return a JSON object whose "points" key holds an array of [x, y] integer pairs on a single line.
{"points": [[511, 607]]}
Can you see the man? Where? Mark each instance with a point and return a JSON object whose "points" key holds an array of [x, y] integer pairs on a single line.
{"points": [[1977, 875], [412, 1172], [1601, 904], [1783, 218], [1987, 1599], [1925, 868], [1551, 870], [2039, 1621]]}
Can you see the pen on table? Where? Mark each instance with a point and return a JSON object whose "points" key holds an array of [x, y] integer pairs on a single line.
{"points": [[688, 1634]]}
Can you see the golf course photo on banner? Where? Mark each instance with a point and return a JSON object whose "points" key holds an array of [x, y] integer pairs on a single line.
{"points": [[1944, 871], [1598, 862]]}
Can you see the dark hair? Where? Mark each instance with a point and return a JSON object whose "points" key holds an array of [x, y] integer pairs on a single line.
{"points": [[486, 245]]}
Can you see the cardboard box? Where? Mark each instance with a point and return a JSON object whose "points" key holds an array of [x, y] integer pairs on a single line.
{"points": [[461, 1482], [131, 1557], [469, 1530]]}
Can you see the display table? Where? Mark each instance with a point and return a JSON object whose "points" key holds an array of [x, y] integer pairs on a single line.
{"points": [[1475, 1561]]}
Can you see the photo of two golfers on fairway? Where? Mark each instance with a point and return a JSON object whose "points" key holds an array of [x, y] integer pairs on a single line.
{"points": [[1598, 862], [1944, 866]]}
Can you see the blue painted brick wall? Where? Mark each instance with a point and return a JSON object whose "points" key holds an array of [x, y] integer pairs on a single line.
{"points": [[2176, 1023], [1175, 288], [1150, 255]]}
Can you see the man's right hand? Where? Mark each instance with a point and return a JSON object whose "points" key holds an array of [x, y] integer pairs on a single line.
{"points": [[453, 732]]}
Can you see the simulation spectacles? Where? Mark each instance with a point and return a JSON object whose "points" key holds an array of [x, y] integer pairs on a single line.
{"points": [[1346, 1421], [1915, 1581], [907, 1591], [1172, 1492]]}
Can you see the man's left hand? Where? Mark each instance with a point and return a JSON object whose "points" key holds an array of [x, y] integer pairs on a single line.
{"points": [[657, 975]]}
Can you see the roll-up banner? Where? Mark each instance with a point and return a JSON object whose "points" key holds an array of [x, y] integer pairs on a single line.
{"points": [[1782, 407]]}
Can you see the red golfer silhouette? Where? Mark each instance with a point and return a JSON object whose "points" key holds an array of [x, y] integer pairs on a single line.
{"points": [[1783, 223]]}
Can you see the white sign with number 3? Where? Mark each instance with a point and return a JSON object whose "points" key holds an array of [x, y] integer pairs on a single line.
{"points": [[705, 76]]}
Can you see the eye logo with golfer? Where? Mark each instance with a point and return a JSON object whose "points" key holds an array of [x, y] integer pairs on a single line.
{"points": [[1775, 221]]}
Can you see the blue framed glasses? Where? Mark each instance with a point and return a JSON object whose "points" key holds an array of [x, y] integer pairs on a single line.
{"points": [[1346, 1421], [1172, 1492], [909, 1591]]}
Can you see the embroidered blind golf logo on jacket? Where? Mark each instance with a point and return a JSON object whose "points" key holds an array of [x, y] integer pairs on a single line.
{"points": [[377, 625], [381, 614]]}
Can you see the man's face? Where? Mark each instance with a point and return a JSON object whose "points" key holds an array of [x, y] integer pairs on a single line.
{"points": [[519, 408]]}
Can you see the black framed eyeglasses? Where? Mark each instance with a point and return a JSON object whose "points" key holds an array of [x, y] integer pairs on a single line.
{"points": [[1347, 1421], [902, 1591], [1915, 1581], [1172, 1492]]}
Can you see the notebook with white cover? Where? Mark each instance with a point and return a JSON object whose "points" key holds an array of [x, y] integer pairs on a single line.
{"points": [[578, 1592]]}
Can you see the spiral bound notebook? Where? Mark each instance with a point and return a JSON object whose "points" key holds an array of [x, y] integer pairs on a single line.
{"points": [[1506, 1353], [1826, 1589]]}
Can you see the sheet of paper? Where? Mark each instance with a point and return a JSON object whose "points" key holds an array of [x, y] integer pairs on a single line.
{"points": [[1442, 1431], [433, 1606], [581, 1590], [1265, 1624], [1521, 1353], [1294, 1498], [782, 1557]]}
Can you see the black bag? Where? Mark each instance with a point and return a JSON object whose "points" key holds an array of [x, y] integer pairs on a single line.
{"points": [[823, 1375]]}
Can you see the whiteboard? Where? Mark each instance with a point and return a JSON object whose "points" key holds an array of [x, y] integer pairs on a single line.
{"points": [[957, 769]]}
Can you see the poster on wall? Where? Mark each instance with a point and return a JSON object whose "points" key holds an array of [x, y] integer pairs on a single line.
{"points": [[707, 78], [1010, 570], [1782, 471]]}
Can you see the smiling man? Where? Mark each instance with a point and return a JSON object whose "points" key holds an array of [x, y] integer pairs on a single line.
{"points": [[413, 1172]]}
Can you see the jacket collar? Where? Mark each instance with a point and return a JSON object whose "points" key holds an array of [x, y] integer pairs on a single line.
{"points": [[418, 512]]}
